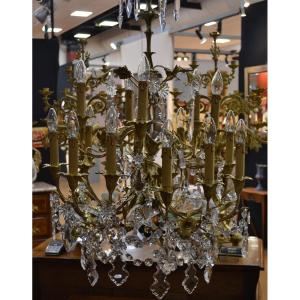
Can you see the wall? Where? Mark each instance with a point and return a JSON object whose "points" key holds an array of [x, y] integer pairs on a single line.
{"points": [[253, 53]]}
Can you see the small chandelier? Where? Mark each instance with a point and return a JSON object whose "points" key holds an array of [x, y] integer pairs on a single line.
{"points": [[173, 185]]}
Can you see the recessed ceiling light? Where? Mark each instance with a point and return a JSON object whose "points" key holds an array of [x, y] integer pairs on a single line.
{"points": [[246, 4], [210, 23], [50, 29], [222, 41], [143, 6], [107, 23], [81, 13], [82, 35]]}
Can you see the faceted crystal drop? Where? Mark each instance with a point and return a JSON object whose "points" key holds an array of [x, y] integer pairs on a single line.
{"points": [[166, 134], [240, 135], [230, 122], [136, 9], [110, 84], [176, 9], [191, 280], [144, 69], [72, 124], [52, 120], [118, 274], [79, 71], [217, 83], [162, 4], [129, 8], [181, 118], [160, 286], [93, 276], [207, 274], [210, 131], [111, 121]]}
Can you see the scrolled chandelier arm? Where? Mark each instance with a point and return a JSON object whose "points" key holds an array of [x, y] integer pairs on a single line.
{"points": [[171, 186]]}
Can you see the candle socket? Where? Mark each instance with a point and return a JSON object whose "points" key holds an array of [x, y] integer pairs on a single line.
{"points": [[73, 156], [54, 149], [143, 101], [215, 108], [111, 183], [140, 134], [229, 153], [129, 105], [111, 158], [240, 161], [209, 173], [197, 108], [81, 100], [166, 198]]}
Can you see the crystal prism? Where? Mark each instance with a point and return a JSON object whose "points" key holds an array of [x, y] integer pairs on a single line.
{"points": [[118, 275], [176, 9], [52, 120], [93, 276], [136, 9], [217, 83], [72, 124], [160, 286], [210, 130], [191, 280], [111, 121], [79, 70], [120, 16], [207, 274], [129, 8], [144, 69], [180, 118], [111, 86]]}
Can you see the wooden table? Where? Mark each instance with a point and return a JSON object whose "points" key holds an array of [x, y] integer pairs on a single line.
{"points": [[41, 212], [62, 278], [251, 194]]}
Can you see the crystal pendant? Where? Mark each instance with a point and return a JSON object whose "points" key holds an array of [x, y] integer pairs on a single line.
{"points": [[217, 83], [180, 118], [207, 274], [120, 16], [230, 122], [148, 262], [197, 80], [52, 120], [110, 84], [144, 69], [240, 135], [160, 286], [111, 120], [128, 84], [181, 159], [163, 91], [176, 9], [210, 130], [72, 124], [191, 280], [118, 274], [90, 115], [166, 134], [79, 70], [93, 276], [129, 8], [162, 14], [136, 9]]}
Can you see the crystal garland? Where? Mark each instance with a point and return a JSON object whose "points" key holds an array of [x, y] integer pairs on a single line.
{"points": [[179, 210]]}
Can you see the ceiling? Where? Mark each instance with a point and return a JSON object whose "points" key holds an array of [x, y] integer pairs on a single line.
{"points": [[63, 9]]}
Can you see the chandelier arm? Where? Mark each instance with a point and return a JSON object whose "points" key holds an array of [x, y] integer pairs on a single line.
{"points": [[90, 190]]}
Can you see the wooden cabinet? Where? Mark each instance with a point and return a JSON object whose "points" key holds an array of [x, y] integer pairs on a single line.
{"points": [[41, 212]]}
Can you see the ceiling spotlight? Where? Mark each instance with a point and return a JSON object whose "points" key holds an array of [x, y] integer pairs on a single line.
{"points": [[210, 23], [219, 29], [203, 41], [41, 14], [179, 58], [55, 30], [243, 14], [107, 23], [200, 36], [81, 13], [82, 35], [185, 57], [246, 4], [222, 40]]}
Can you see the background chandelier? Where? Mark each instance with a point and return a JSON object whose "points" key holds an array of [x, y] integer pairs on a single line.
{"points": [[172, 187]]}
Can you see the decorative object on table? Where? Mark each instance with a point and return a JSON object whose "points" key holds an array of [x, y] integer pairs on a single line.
{"points": [[184, 207], [261, 177], [36, 162]]}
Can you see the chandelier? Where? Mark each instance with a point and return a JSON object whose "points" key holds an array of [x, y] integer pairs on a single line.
{"points": [[173, 185]]}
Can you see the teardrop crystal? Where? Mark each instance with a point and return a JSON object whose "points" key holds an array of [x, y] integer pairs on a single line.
{"points": [[120, 16], [111, 121], [207, 274], [144, 69], [79, 71], [52, 120], [191, 280], [110, 84], [230, 122], [136, 9], [240, 135], [210, 130], [217, 83], [72, 124]]}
